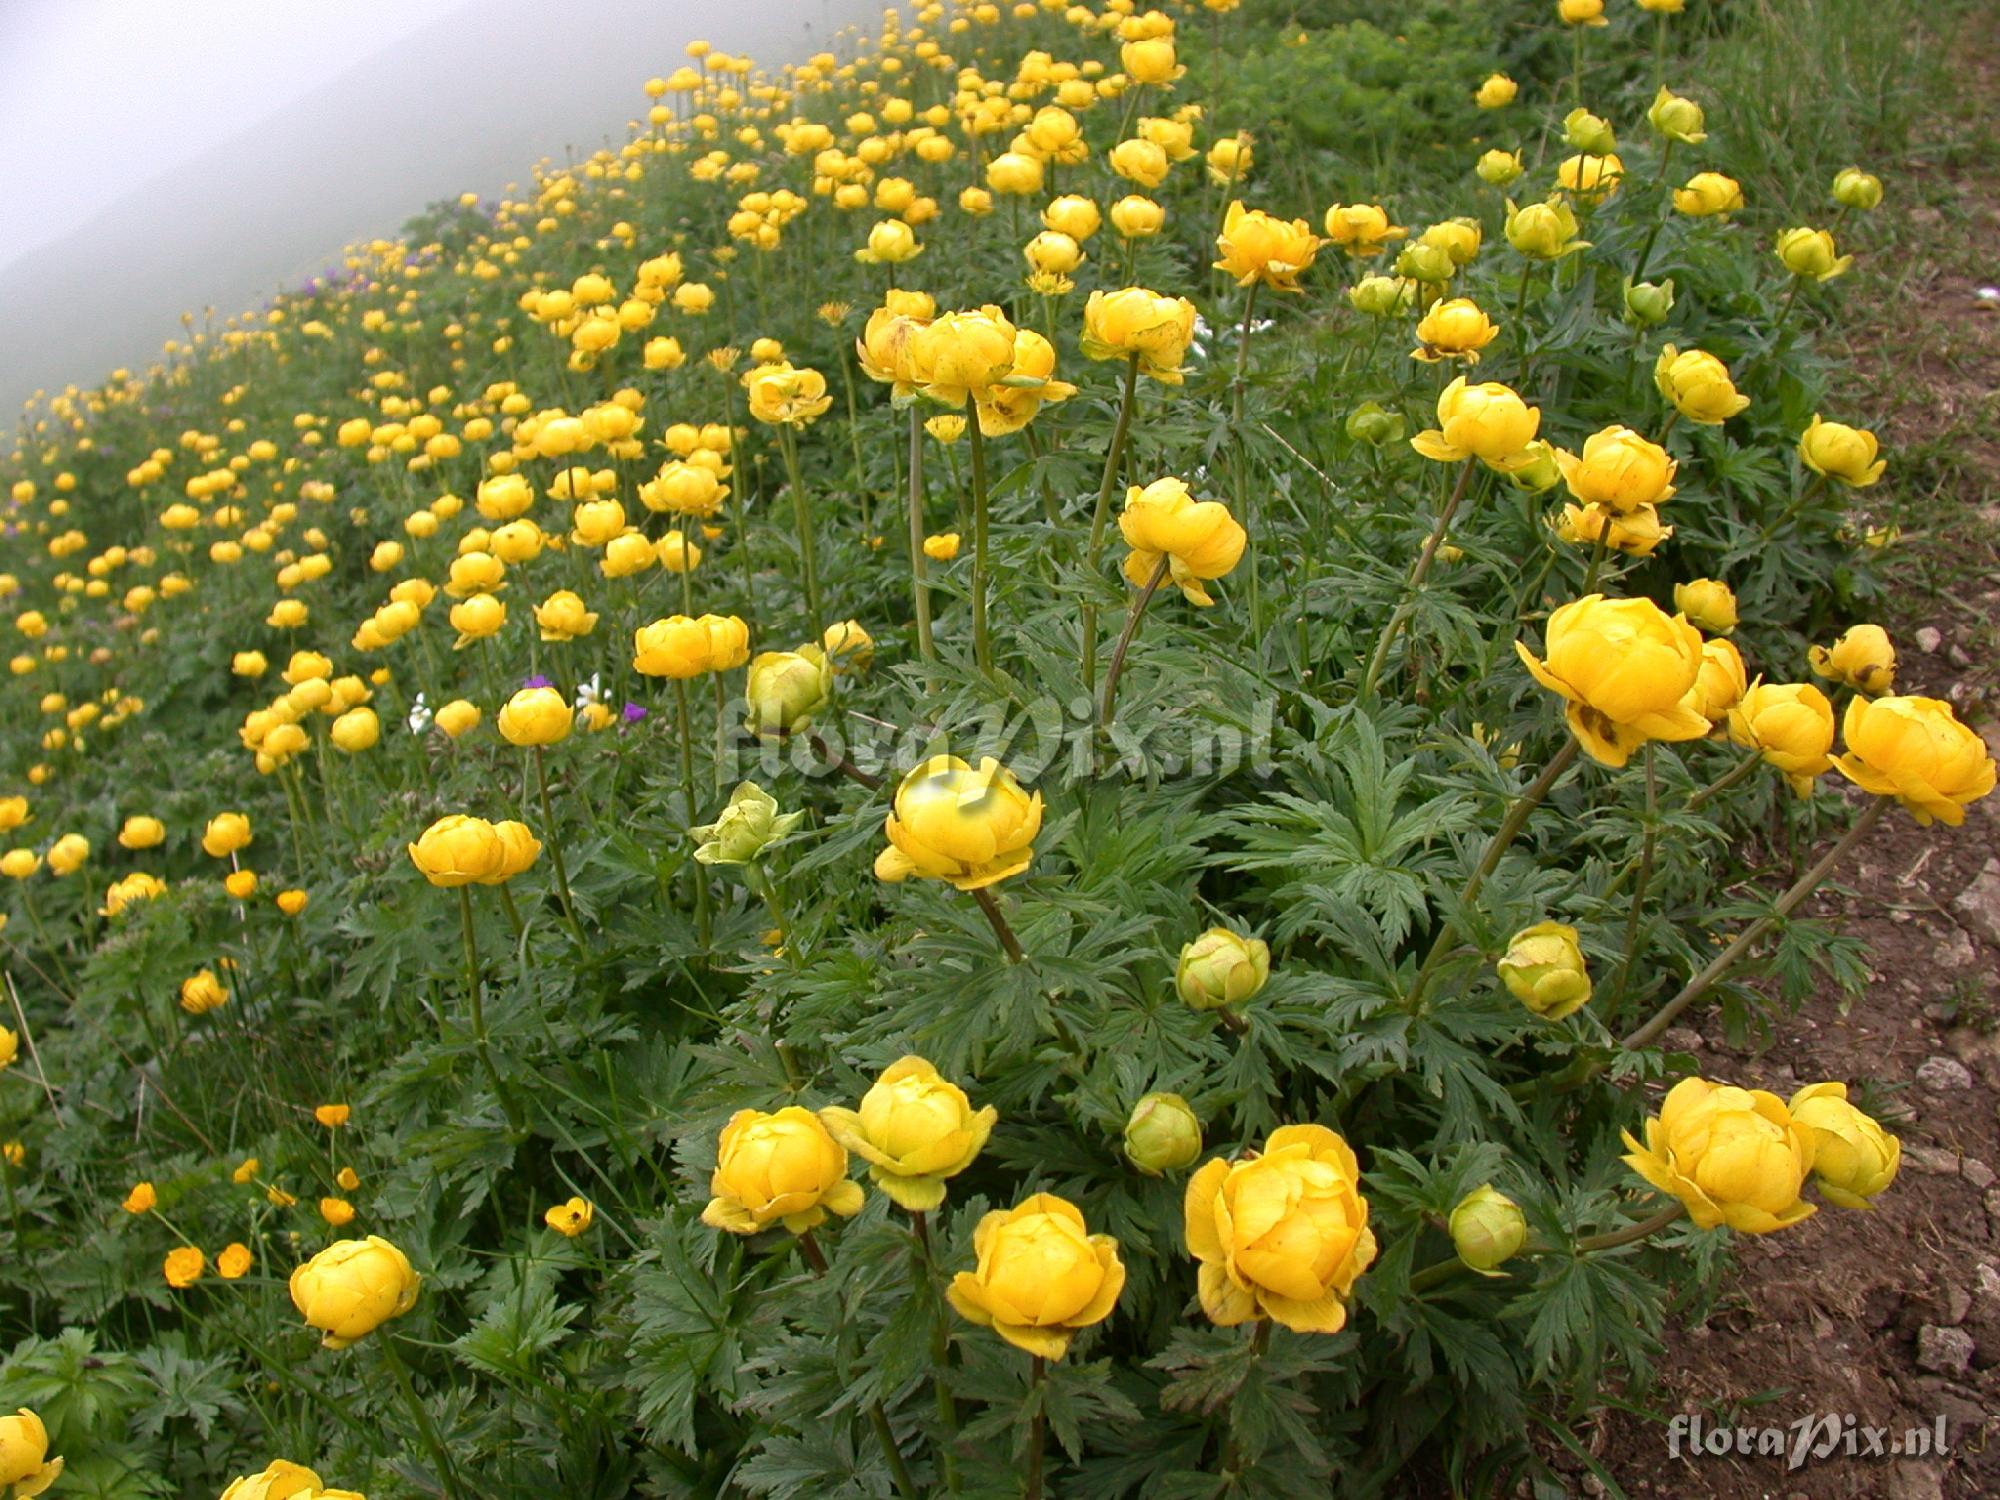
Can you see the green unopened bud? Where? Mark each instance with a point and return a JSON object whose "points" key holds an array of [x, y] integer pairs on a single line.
{"points": [[1379, 296], [1219, 968], [1163, 1134], [785, 689], [1543, 968], [1487, 1228], [1369, 423], [1419, 261], [1677, 119], [1589, 133], [1498, 168], [1647, 302], [1854, 188], [749, 824], [1534, 469]]}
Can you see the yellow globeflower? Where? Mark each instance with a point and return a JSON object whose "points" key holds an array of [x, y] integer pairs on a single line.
{"points": [[1259, 250], [1590, 177], [962, 356], [25, 1466], [68, 853], [1917, 751], [780, 1168], [1810, 254], [1454, 329], [1009, 405], [562, 617], [1041, 1276], [1134, 321], [1626, 669], [1840, 452], [535, 716], [1545, 231], [1581, 12], [1489, 422], [1619, 470], [141, 832], [283, 1481], [972, 827], [681, 647], [457, 850], [225, 834], [787, 397], [1708, 195], [1361, 229], [1221, 968], [915, 1128], [353, 1287], [1864, 658], [1698, 385], [1855, 1158], [1732, 1156], [1497, 92], [1282, 1234], [1199, 539], [1791, 725], [1709, 604], [942, 547], [1543, 968], [1636, 533], [883, 349]]}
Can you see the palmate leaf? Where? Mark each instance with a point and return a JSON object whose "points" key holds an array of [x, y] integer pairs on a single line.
{"points": [[687, 1333]]}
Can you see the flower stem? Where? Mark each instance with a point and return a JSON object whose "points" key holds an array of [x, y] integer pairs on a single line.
{"points": [[688, 787], [924, 1266], [555, 847], [1101, 513], [476, 993], [1242, 455], [1510, 827], [447, 1473], [1031, 1488], [1444, 1270], [1419, 570], [1010, 944], [802, 519], [878, 1419], [919, 581], [982, 644], [1635, 909], [1698, 986], [1125, 636], [1725, 781]]}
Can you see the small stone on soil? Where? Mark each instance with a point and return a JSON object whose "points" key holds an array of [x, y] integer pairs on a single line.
{"points": [[1979, 903], [1943, 1075], [1681, 1039], [1932, 1159], [1976, 1172], [1929, 638], [1947, 1351]]}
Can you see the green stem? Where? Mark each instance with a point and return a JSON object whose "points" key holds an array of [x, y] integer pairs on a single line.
{"points": [[919, 569], [1636, 908], [1725, 781], [688, 787], [1125, 638], [924, 1267], [1101, 513], [1444, 1270], [475, 991], [1031, 1487], [802, 519], [1503, 836], [1420, 570], [1698, 986], [1010, 944], [982, 644], [555, 847], [447, 1473], [1242, 455]]}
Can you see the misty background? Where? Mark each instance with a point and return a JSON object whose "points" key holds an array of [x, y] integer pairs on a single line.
{"points": [[162, 156]]}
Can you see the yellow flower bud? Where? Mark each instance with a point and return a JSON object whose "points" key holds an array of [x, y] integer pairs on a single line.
{"points": [[1489, 422], [279, 1480], [1497, 92], [1454, 329], [1258, 249], [1543, 968], [1041, 1276], [748, 824], [1698, 385], [457, 850], [355, 731], [225, 834], [1197, 539], [1162, 1134], [785, 689], [1487, 1228], [1497, 168], [1221, 968], [1619, 470], [1134, 321], [1709, 604], [1840, 452], [458, 717], [1708, 195], [942, 547], [1855, 1158], [1810, 254], [680, 647], [1677, 118], [1545, 231], [1856, 189], [25, 1466], [562, 617], [535, 716], [139, 832]]}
